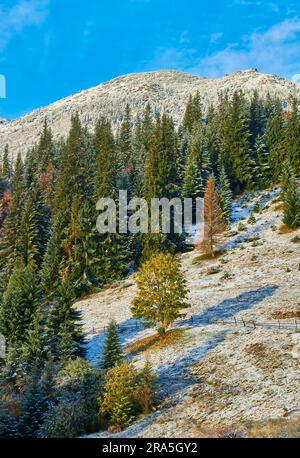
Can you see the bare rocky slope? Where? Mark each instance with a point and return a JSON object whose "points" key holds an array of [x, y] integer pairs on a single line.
{"points": [[218, 377], [167, 91]]}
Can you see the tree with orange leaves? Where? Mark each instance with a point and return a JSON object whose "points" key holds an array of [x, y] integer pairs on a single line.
{"points": [[214, 225]]}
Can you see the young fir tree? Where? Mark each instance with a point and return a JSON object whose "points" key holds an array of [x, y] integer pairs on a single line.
{"points": [[213, 218], [162, 292], [112, 353], [19, 305], [291, 216], [118, 400], [65, 339], [225, 196]]}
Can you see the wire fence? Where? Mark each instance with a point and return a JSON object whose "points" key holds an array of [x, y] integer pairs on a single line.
{"points": [[137, 326]]}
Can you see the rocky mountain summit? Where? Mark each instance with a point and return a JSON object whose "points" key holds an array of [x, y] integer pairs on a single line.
{"points": [[167, 91]]}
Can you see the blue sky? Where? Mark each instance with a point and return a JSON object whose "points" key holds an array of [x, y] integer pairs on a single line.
{"points": [[52, 48]]}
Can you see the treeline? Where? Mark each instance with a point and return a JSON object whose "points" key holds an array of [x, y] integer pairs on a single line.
{"points": [[50, 250]]}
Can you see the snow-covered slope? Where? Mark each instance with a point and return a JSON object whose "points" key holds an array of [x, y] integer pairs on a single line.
{"points": [[166, 91], [220, 377]]}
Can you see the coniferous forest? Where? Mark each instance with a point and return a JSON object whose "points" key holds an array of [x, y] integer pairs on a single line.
{"points": [[51, 253]]}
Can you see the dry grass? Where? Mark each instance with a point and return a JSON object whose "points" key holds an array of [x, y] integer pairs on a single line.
{"points": [[256, 348], [286, 230], [285, 314], [205, 432], [208, 257], [155, 342], [283, 427], [279, 207]]}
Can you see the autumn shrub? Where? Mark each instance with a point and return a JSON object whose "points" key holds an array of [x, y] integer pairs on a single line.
{"points": [[145, 389], [127, 393]]}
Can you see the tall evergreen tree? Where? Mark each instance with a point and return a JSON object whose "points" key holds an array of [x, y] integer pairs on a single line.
{"points": [[274, 138], [197, 168], [10, 243], [125, 159], [291, 216], [34, 227], [225, 196], [262, 174], [7, 168], [291, 141], [193, 113], [63, 328], [19, 305], [51, 268], [235, 143]]}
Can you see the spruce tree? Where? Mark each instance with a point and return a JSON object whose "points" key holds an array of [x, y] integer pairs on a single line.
{"points": [[19, 305], [262, 173], [45, 150], [51, 268], [34, 227], [274, 135], [225, 196], [291, 141], [34, 406], [10, 243], [111, 250], [112, 354], [7, 169], [64, 336], [193, 113], [291, 216], [196, 169], [125, 158], [105, 156], [257, 118], [235, 143]]}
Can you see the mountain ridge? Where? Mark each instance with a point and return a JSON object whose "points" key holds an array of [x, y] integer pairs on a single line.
{"points": [[166, 91]]}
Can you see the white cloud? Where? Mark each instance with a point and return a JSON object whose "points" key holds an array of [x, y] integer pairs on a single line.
{"points": [[16, 18], [215, 37], [276, 50]]}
